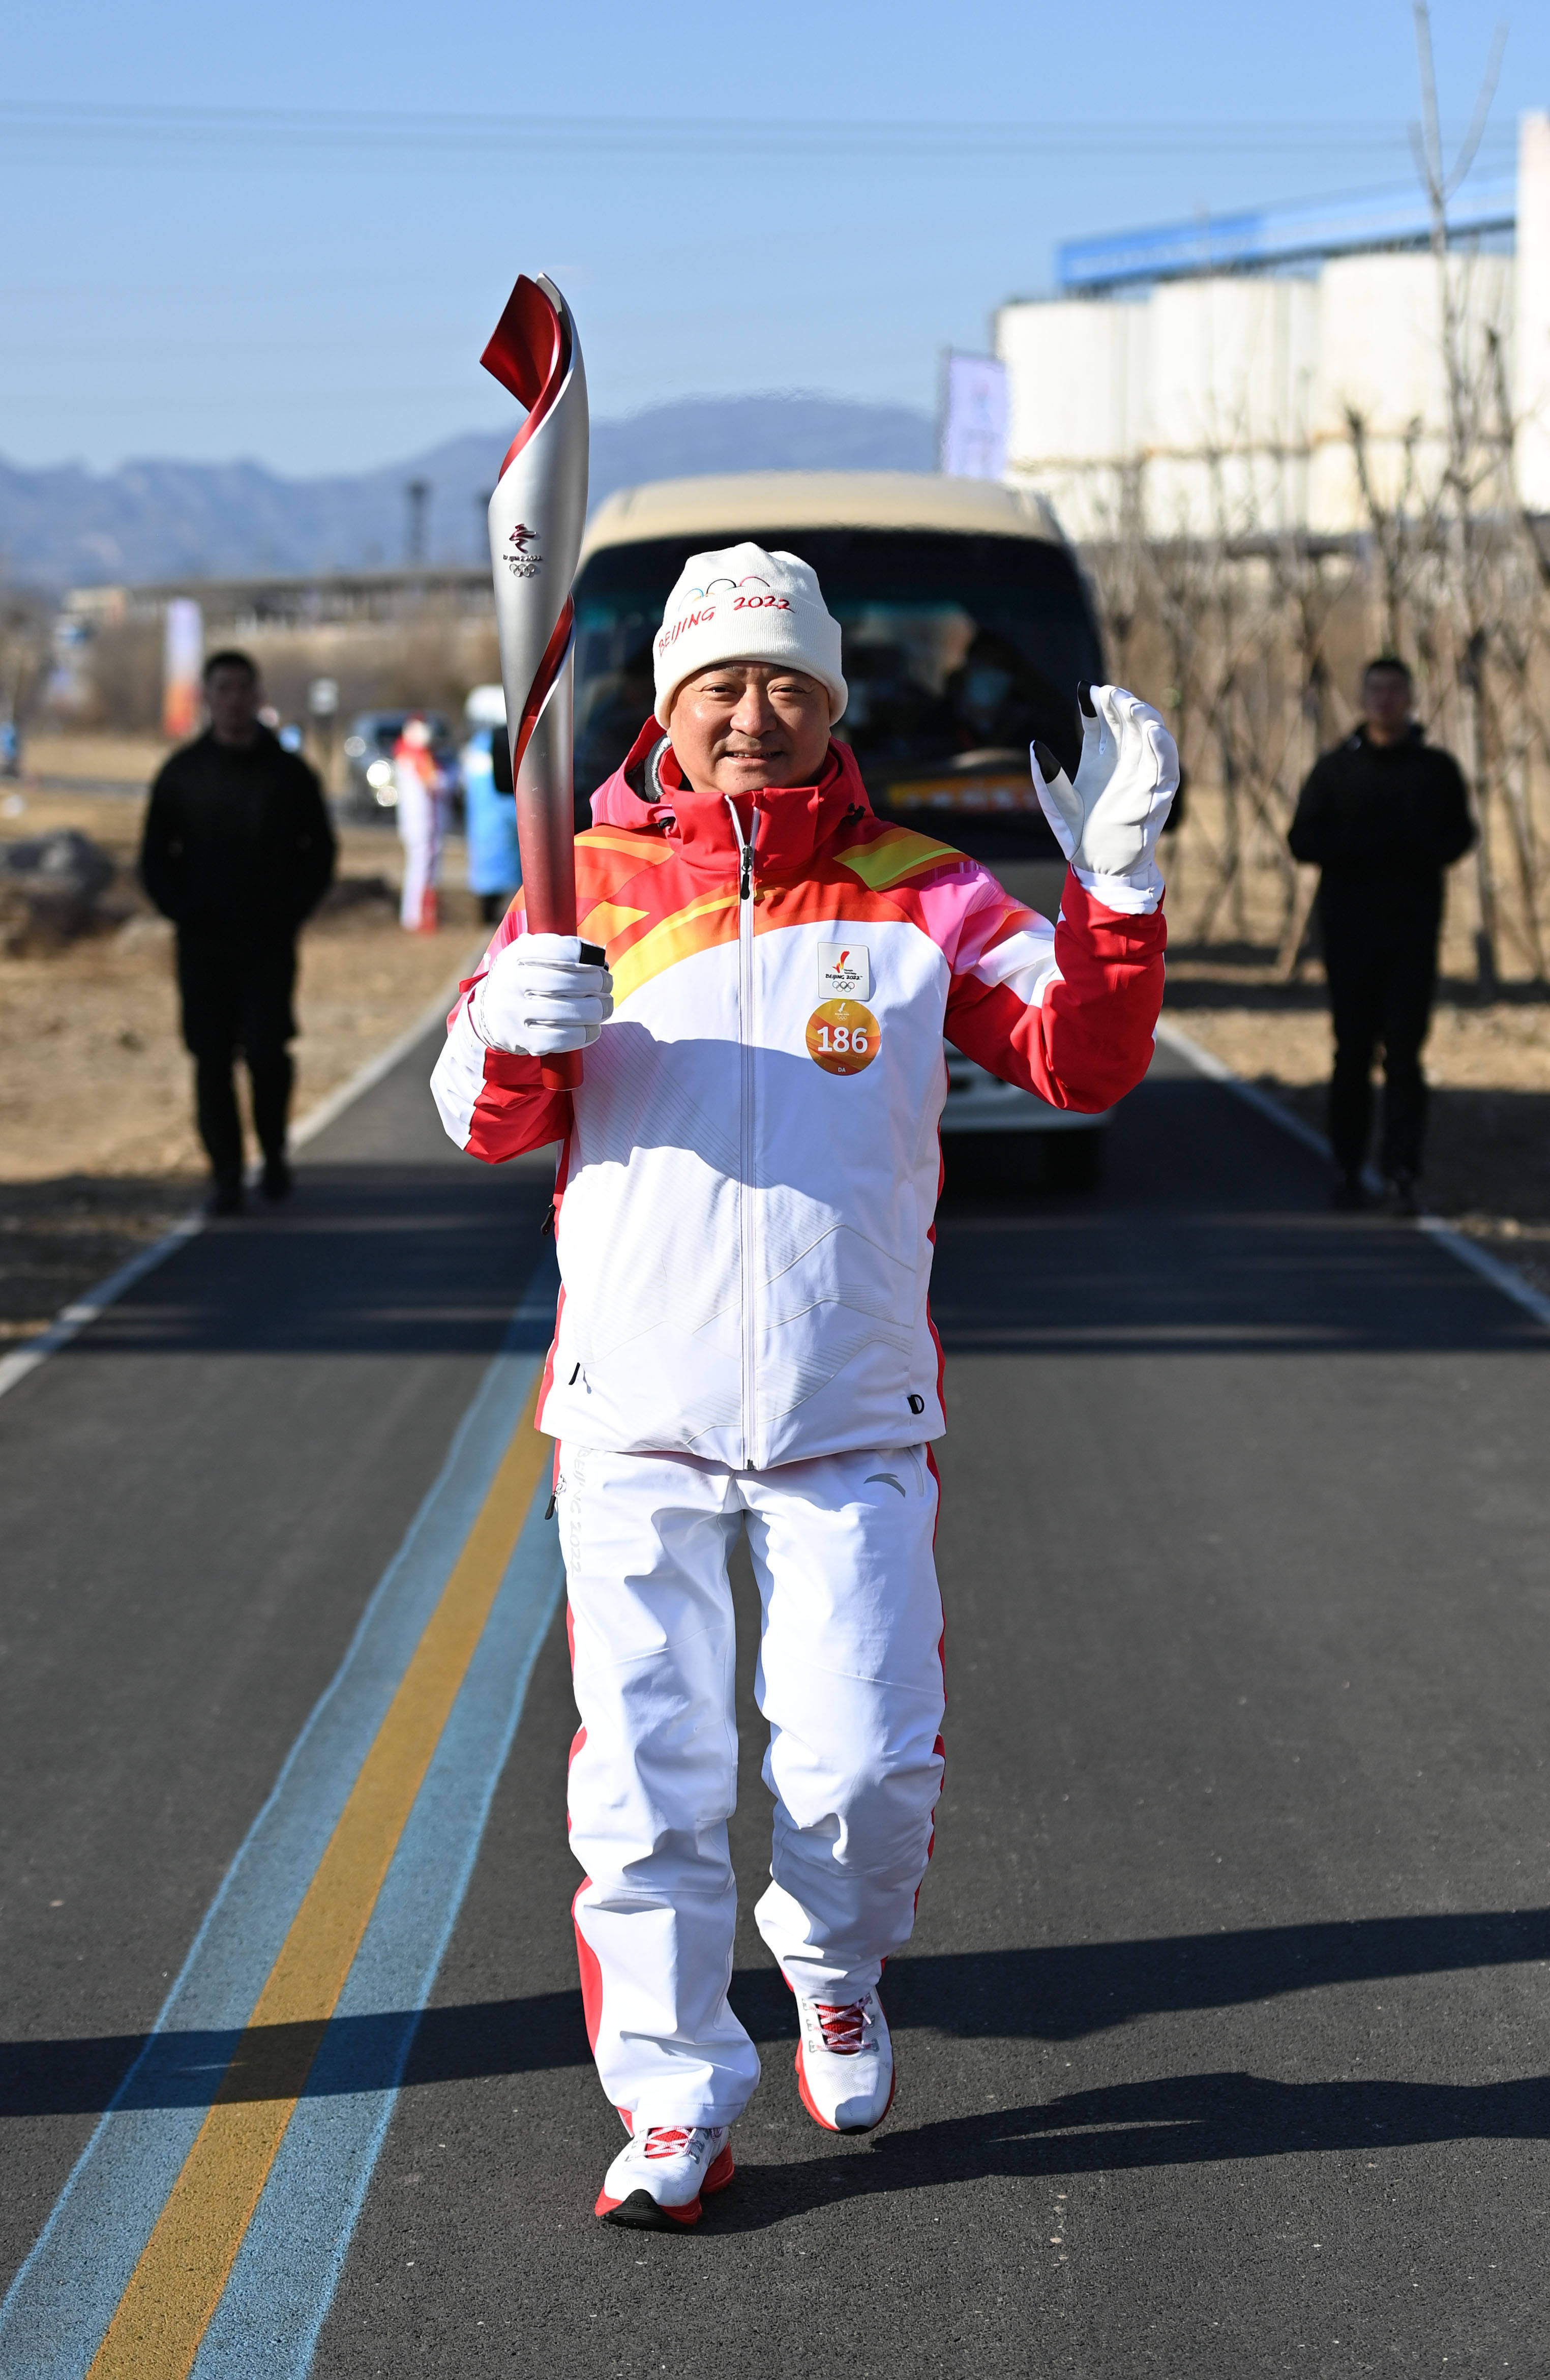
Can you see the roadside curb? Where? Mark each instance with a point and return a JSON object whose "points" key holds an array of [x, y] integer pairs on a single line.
{"points": [[1500, 1275], [72, 1320]]}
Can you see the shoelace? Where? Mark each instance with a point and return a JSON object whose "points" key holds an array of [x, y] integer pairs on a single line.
{"points": [[842, 2028], [667, 2140]]}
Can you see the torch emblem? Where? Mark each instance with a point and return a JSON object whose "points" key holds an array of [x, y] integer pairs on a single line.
{"points": [[523, 563], [537, 515]]}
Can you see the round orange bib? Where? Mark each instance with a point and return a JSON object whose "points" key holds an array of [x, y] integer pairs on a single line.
{"points": [[842, 1037]]}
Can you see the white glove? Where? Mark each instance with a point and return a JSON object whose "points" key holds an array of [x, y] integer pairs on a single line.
{"points": [[1107, 824], [544, 993]]}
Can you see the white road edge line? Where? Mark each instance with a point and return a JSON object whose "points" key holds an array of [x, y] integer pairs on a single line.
{"points": [[74, 1318], [1502, 1276]]}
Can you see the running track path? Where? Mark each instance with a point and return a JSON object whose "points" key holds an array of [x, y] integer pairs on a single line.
{"points": [[1220, 2036]]}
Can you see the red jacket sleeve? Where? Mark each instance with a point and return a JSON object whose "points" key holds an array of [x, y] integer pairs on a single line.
{"points": [[1069, 1016], [493, 1102]]}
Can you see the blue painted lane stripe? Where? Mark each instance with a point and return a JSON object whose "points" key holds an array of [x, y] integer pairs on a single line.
{"points": [[62, 2299], [275, 2302]]}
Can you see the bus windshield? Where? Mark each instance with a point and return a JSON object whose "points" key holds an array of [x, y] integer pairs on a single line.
{"points": [[959, 647]]}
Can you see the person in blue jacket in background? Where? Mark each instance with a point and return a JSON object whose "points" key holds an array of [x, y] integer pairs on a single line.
{"points": [[494, 866]]}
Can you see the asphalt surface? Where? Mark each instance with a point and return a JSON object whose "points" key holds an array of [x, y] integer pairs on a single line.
{"points": [[1222, 2036]]}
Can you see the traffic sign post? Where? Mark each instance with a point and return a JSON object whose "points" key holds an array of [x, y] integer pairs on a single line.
{"points": [[322, 704]]}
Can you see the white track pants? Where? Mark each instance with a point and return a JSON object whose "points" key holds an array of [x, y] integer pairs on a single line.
{"points": [[850, 1679]]}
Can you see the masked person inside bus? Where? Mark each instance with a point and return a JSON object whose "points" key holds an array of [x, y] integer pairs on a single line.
{"points": [[761, 979]]}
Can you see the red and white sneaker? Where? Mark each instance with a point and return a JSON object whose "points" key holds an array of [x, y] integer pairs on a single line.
{"points": [[844, 2065], [657, 2181]]}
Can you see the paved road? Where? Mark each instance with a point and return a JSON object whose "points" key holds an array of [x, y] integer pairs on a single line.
{"points": [[1222, 2037]]}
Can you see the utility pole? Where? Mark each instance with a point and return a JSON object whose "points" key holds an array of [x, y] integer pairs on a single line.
{"points": [[418, 492]]}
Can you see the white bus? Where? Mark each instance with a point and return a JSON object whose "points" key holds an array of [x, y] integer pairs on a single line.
{"points": [[966, 630]]}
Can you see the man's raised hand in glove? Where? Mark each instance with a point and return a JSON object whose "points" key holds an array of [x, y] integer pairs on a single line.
{"points": [[1108, 821], [544, 993]]}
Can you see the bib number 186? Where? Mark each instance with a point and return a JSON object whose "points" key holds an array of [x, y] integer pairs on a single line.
{"points": [[842, 1037]]}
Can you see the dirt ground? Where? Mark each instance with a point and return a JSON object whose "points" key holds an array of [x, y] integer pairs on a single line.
{"points": [[68, 763], [98, 1150], [97, 1146]]}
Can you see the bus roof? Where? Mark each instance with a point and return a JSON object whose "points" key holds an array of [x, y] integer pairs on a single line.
{"points": [[726, 506]]}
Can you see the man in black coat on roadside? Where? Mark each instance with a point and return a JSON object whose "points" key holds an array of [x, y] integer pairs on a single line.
{"points": [[237, 852], [1382, 816]]}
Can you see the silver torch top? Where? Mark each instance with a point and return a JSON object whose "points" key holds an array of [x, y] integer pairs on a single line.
{"points": [[537, 515]]}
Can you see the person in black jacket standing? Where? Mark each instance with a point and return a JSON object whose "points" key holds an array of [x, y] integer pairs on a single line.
{"points": [[237, 852], [1382, 816]]}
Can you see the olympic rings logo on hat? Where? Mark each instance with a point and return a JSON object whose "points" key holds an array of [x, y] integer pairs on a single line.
{"points": [[753, 579]]}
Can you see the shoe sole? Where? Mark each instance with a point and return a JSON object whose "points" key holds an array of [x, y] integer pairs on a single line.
{"points": [[641, 2211], [809, 2102]]}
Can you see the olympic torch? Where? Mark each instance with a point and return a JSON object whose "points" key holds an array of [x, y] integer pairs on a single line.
{"points": [[536, 518]]}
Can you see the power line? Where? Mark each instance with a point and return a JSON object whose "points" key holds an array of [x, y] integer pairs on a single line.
{"points": [[336, 135]]}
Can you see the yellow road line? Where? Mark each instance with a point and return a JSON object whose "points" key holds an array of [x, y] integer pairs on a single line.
{"points": [[176, 2287]]}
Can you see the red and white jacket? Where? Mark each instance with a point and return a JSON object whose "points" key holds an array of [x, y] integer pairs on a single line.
{"points": [[751, 1165]]}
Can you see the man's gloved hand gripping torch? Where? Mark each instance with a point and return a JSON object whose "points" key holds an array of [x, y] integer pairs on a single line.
{"points": [[548, 993]]}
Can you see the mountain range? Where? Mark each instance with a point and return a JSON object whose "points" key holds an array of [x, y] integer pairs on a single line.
{"points": [[63, 526]]}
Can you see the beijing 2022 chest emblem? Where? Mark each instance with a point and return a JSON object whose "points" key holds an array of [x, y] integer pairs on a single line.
{"points": [[842, 1033]]}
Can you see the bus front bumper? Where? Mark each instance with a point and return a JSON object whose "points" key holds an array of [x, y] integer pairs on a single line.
{"points": [[980, 1102]]}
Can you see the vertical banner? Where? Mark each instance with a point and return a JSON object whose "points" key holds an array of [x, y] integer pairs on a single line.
{"points": [[182, 657], [974, 435]]}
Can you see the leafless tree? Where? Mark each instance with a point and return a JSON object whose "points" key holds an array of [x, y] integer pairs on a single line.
{"points": [[1470, 463]]}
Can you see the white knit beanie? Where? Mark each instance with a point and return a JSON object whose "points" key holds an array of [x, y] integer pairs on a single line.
{"points": [[746, 606]]}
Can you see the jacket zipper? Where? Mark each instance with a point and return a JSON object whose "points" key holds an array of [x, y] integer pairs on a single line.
{"points": [[745, 1207]]}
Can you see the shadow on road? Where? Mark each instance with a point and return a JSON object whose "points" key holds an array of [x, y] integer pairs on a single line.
{"points": [[1243, 1255], [1241, 975], [1220, 1285], [368, 1260], [1059, 1994], [1176, 2120], [428, 1258]]}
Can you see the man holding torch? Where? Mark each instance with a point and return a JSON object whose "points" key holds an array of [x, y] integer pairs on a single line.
{"points": [[760, 975]]}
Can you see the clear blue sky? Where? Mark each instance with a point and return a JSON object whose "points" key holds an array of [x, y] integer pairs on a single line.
{"points": [[819, 196]]}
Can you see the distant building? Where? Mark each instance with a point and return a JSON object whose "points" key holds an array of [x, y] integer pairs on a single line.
{"points": [[1199, 378]]}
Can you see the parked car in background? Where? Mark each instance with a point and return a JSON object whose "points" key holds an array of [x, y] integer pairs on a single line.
{"points": [[966, 627], [370, 791]]}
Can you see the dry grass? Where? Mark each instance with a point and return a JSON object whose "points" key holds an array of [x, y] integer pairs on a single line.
{"points": [[57, 763]]}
